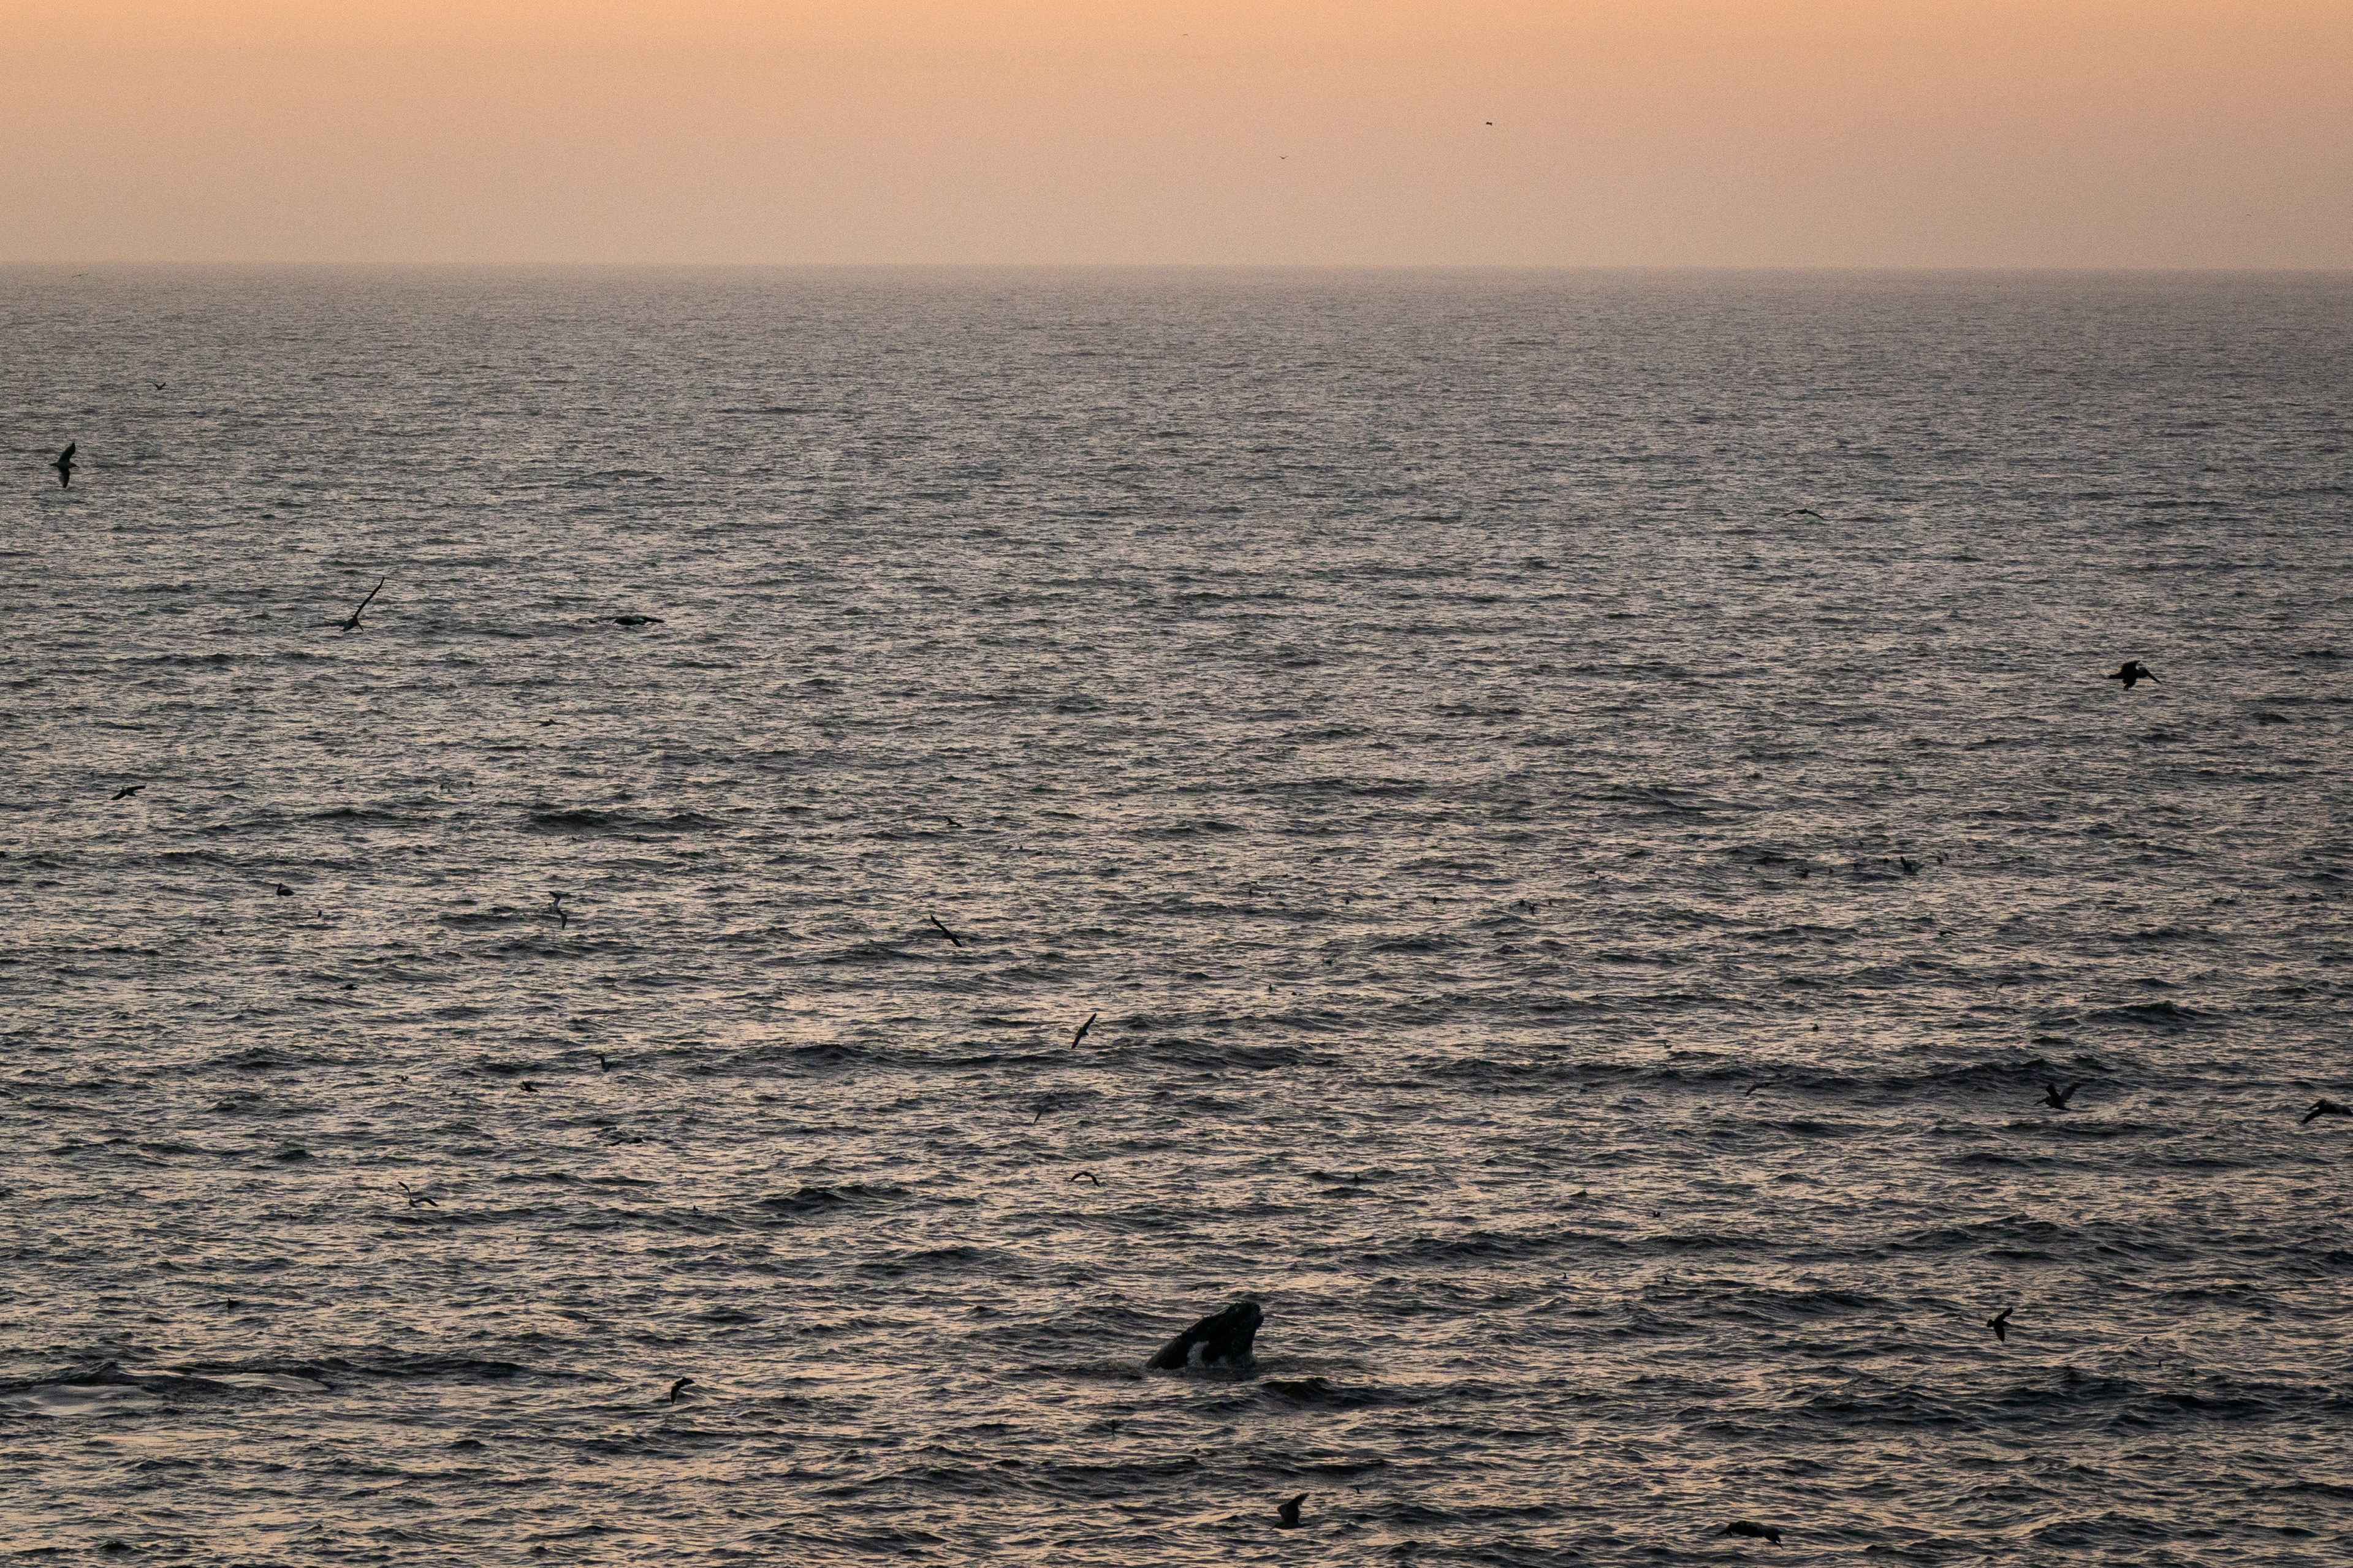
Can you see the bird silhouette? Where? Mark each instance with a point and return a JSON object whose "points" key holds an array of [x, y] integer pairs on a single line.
{"points": [[65, 465], [562, 919], [2133, 670], [602, 1065], [1761, 1531], [282, 890], [1088, 1176], [528, 1087], [2056, 1097], [1999, 1324], [1286, 1513], [1910, 867], [1084, 1027], [944, 930], [127, 790], [416, 1200], [351, 622], [2327, 1107], [680, 1386]]}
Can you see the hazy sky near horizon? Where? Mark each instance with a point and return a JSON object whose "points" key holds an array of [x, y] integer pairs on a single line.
{"points": [[1692, 133]]}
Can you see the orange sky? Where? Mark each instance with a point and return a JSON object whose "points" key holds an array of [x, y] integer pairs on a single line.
{"points": [[1975, 133]]}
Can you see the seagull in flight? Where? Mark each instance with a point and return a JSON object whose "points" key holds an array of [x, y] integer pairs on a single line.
{"points": [[680, 1386], [1286, 1513], [2133, 670], [1084, 1027], [2056, 1097], [944, 930], [1999, 1324], [127, 790], [352, 623], [2327, 1107], [65, 465]]}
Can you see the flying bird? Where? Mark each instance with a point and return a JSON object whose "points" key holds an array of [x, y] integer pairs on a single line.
{"points": [[2133, 670], [2327, 1107], [353, 621], [562, 919], [127, 790], [1761, 1531], [65, 465], [528, 1087], [1911, 867], [159, 386], [944, 930], [602, 1065], [416, 1200], [1999, 1324], [2056, 1097], [1088, 1176], [1084, 1027], [1286, 1513], [680, 1386]]}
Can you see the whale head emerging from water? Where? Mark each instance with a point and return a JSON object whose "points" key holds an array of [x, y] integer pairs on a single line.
{"points": [[1221, 1339]]}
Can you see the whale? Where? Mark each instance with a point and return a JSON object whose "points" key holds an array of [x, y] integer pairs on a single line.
{"points": [[1221, 1339]]}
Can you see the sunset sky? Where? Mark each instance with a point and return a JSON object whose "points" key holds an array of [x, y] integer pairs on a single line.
{"points": [[1781, 132]]}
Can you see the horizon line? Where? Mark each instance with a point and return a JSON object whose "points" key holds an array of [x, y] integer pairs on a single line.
{"points": [[1882, 268]]}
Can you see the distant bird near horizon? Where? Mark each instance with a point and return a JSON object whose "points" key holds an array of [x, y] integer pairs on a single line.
{"points": [[680, 1386], [159, 386], [1760, 1532], [127, 790], [1084, 1027], [944, 930], [2133, 670], [1999, 1324], [1286, 1513], [65, 465], [2325, 1107], [2056, 1097], [352, 621]]}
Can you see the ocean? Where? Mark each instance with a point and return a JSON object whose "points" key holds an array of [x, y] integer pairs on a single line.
{"points": [[1585, 809]]}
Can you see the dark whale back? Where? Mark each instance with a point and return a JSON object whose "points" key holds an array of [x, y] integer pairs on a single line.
{"points": [[1221, 1339]]}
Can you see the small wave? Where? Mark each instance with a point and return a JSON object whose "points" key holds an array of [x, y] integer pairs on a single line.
{"points": [[823, 1200]]}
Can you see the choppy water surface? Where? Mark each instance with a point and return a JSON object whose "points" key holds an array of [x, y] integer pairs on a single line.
{"points": [[1458, 733]]}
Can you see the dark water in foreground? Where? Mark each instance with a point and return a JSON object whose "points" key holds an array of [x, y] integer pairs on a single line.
{"points": [[1458, 733]]}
